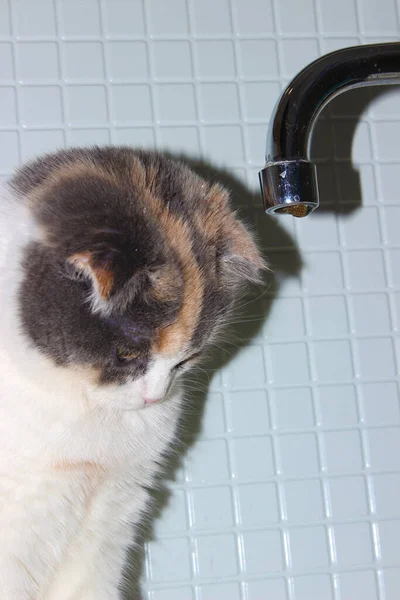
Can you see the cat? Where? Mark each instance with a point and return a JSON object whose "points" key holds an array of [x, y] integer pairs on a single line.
{"points": [[118, 269]]}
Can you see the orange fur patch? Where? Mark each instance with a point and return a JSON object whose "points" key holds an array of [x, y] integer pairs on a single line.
{"points": [[176, 336], [86, 466], [102, 276]]}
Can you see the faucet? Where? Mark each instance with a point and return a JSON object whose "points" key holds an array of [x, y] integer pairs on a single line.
{"points": [[289, 179]]}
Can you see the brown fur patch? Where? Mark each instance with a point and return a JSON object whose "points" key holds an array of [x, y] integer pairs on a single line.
{"points": [[164, 283], [69, 172]]}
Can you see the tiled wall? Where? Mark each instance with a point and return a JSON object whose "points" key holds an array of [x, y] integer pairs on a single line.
{"points": [[290, 487]]}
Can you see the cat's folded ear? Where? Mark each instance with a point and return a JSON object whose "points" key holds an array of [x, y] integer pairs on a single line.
{"points": [[117, 275], [240, 259], [85, 265]]}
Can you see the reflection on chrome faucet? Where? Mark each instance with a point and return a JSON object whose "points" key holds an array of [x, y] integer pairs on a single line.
{"points": [[289, 179]]}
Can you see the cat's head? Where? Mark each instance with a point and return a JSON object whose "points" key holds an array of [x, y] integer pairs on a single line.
{"points": [[136, 264]]}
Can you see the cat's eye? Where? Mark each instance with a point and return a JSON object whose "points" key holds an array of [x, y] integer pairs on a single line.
{"points": [[126, 356], [186, 361]]}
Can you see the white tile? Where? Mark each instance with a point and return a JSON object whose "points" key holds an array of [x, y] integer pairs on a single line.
{"points": [[297, 54], [296, 17], [309, 548], [127, 60], [285, 319], [299, 454], [35, 143], [84, 60], [381, 403], [338, 406], [208, 462], [142, 137], [8, 113], [392, 581], [366, 269], [212, 508], [353, 543], [5, 18], [88, 137], [224, 144], [340, 16], [162, 568], [172, 59], [131, 103], [37, 61], [89, 18], [333, 361], [35, 19], [263, 552], [267, 588], [376, 358], [319, 232], [250, 360], [9, 151], [258, 57], [219, 102], [389, 532], [213, 418], [378, 17], [359, 584], [304, 502], [313, 586], [176, 102], [41, 106], [174, 516], [348, 497], [248, 412], [322, 272], [124, 18], [6, 61], [294, 408], [259, 99], [361, 229], [167, 19], [253, 458], [386, 133], [328, 316], [290, 364], [222, 591], [343, 451], [217, 555], [384, 448], [386, 492], [258, 504], [180, 139], [387, 183], [215, 58], [87, 104], [371, 313], [254, 17], [212, 17]]}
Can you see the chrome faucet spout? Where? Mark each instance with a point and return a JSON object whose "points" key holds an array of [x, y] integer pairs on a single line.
{"points": [[289, 179]]}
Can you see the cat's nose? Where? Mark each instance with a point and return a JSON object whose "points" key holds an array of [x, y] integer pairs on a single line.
{"points": [[151, 400]]}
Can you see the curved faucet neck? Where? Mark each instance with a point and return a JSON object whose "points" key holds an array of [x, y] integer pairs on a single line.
{"points": [[294, 116]]}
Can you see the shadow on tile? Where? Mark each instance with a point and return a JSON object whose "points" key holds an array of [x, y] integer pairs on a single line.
{"points": [[332, 149]]}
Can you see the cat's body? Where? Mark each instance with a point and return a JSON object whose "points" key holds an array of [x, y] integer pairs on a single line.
{"points": [[111, 283]]}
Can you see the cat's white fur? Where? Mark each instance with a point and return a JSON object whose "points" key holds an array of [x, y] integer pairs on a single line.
{"points": [[74, 458]]}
